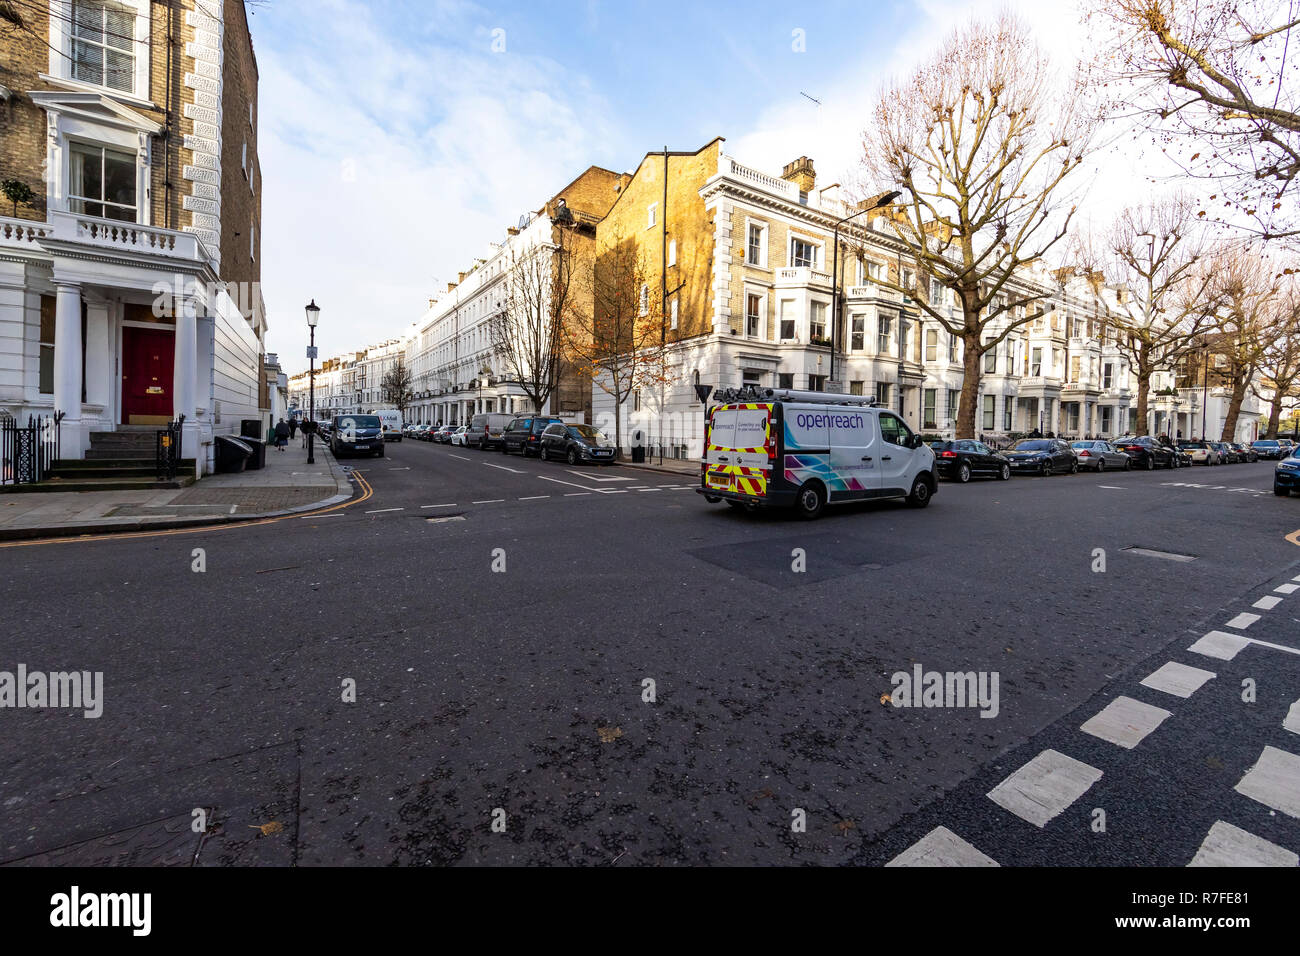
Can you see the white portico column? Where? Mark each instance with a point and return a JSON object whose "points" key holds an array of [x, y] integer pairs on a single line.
{"points": [[67, 367], [185, 373]]}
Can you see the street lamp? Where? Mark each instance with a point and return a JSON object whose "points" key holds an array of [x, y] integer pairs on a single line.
{"points": [[313, 316], [884, 200]]}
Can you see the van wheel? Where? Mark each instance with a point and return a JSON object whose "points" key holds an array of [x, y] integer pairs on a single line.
{"points": [[811, 500], [920, 496], [483, 445]]}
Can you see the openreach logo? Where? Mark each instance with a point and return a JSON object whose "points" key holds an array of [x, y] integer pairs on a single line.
{"points": [[75, 909], [922, 688], [80, 690]]}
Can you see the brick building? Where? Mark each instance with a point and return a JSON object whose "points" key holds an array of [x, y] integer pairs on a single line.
{"points": [[130, 284]]}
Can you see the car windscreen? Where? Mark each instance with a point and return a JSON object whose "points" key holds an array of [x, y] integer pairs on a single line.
{"points": [[1031, 445], [587, 433]]}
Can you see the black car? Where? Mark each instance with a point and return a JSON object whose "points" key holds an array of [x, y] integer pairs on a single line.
{"points": [[1042, 456], [1268, 448], [1286, 476], [357, 435], [575, 444], [1245, 452], [524, 434], [1149, 453], [960, 460]]}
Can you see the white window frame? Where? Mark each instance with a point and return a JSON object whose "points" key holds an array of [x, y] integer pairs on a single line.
{"points": [[672, 252], [652, 215], [762, 242], [813, 305], [672, 316], [761, 295], [61, 50], [818, 250]]}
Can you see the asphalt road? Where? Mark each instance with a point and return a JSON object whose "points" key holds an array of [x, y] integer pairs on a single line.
{"points": [[519, 695]]}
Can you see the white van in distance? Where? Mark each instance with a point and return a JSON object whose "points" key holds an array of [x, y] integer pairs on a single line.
{"points": [[391, 420], [786, 448]]}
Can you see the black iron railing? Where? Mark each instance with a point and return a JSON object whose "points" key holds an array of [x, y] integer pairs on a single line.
{"points": [[167, 450], [27, 452]]}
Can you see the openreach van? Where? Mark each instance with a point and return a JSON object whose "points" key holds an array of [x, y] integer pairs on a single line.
{"points": [[805, 450]]}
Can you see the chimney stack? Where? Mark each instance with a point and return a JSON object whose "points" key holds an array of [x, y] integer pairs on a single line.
{"points": [[801, 173]]}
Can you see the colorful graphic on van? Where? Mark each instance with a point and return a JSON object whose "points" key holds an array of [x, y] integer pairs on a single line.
{"points": [[800, 468]]}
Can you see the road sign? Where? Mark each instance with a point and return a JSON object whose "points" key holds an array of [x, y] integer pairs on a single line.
{"points": [[704, 391], [311, 351]]}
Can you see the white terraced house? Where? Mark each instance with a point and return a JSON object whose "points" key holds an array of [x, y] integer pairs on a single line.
{"points": [[130, 247]]}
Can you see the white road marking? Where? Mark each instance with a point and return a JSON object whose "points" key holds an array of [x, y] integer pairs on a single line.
{"points": [[535, 498], [1220, 645], [443, 518], [515, 471], [1274, 781], [578, 494], [590, 477], [1286, 589], [1267, 603], [380, 511], [489, 501], [461, 457], [559, 481], [667, 486], [314, 517], [1168, 556], [1043, 788], [1226, 845], [1243, 620], [1178, 679], [1292, 721], [941, 847], [1296, 578], [649, 489], [1125, 722], [232, 509], [1112, 487], [612, 491], [452, 505], [407, 468]]}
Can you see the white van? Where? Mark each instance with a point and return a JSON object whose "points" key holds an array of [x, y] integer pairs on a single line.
{"points": [[785, 448], [391, 419]]}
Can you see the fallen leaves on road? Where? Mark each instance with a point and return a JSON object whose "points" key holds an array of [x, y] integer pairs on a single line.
{"points": [[609, 734], [275, 826]]}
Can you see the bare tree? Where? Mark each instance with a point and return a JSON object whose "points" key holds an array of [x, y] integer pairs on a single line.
{"points": [[618, 340], [1211, 79], [1247, 286], [539, 295], [1154, 256], [981, 144], [1281, 360], [395, 386]]}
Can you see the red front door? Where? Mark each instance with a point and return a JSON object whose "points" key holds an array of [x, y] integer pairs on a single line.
{"points": [[148, 357]]}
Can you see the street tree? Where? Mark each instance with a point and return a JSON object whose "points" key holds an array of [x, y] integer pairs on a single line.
{"points": [[1154, 257], [395, 386], [983, 143], [1247, 288], [1212, 82], [618, 339], [540, 292], [1280, 365]]}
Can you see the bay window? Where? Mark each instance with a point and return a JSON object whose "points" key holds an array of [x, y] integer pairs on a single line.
{"points": [[102, 182]]}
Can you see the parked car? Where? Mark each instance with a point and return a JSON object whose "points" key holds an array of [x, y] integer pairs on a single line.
{"points": [[1148, 452], [1201, 452], [523, 434], [964, 458], [1245, 452], [575, 444], [1100, 455], [357, 435], [418, 432], [443, 434], [1226, 451], [1268, 448], [1042, 456], [458, 436], [323, 431], [1286, 476], [486, 428], [1288, 446]]}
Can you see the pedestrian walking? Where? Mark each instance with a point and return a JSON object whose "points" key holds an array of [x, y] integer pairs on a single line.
{"points": [[281, 434], [293, 428]]}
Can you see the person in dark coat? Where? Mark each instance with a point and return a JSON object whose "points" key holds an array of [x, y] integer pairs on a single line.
{"points": [[281, 434], [293, 428]]}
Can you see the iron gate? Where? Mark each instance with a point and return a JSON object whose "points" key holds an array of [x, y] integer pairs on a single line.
{"points": [[28, 451]]}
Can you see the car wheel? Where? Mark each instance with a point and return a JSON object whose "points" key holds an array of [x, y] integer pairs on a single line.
{"points": [[1128, 464], [1151, 462], [483, 445], [1074, 467], [810, 501], [963, 472], [1101, 465], [920, 496], [1046, 469], [573, 456], [1281, 492], [1005, 473], [543, 454]]}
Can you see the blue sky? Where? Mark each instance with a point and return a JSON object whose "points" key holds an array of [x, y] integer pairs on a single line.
{"points": [[396, 142]]}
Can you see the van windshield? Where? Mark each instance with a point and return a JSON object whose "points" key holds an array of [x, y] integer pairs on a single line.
{"points": [[360, 421]]}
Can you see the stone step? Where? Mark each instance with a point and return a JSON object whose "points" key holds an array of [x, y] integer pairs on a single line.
{"points": [[99, 484], [131, 454]]}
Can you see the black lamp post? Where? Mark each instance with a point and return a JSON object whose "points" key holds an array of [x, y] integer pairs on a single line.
{"points": [[1205, 389], [884, 200], [313, 316]]}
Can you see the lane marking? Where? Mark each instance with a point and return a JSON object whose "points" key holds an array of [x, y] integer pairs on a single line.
{"points": [[1125, 722], [1267, 603], [1177, 679], [490, 501], [570, 484], [1243, 620], [1274, 781], [452, 505], [535, 498], [380, 511], [942, 847], [461, 457], [503, 468], [1220, 645], [589, 477], [649, 489], [1112, 487], [1043, 788], [1226, 845], [311, 517], [578, 494], [1286, 588]]}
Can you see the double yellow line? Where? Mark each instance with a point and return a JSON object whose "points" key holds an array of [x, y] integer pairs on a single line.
{"points": [[366, 492]]}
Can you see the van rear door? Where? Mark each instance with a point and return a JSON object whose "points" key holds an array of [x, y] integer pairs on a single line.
{"points": [[736, 452]]}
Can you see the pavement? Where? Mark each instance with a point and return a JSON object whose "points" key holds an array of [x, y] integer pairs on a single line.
{"points": [[618, 673], [287, 485]]}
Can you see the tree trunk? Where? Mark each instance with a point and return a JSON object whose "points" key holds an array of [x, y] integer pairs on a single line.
{"points": [[1234, 410], [1274, 415], [1144, 401], [970, 384]]}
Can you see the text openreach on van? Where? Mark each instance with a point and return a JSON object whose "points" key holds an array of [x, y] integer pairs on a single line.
{"points": [[822, 419]]}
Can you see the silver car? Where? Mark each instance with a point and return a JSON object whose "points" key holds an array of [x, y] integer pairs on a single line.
{"points": [[1100, 456], [1202, 452]]}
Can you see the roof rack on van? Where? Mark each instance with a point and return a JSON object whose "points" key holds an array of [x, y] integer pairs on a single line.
{"points": [[824, 398]]}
